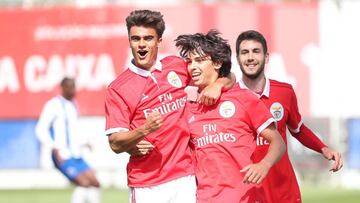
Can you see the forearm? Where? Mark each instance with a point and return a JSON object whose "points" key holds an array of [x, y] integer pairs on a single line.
{"points": [[124, 141], [226, 82], [276, 150], [309, 139]]}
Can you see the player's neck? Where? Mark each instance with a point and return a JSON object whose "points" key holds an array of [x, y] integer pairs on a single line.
{"points": [[255, 84]]}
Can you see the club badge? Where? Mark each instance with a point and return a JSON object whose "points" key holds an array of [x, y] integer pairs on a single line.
{"points": [[227, 109], [277, 111], [174, 79]]}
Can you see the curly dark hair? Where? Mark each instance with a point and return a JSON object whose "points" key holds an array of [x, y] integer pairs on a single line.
{"points": [[210, 44], [251, 35], [146, 18]]}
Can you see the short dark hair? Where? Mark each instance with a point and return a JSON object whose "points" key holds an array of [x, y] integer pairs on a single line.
{"points": [[65, 80], [251, 35], [146, 18], [210, 44]]}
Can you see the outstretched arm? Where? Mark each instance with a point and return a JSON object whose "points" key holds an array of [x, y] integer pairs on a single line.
{"points": [[211, 93], [255, 173], [311, 141]]}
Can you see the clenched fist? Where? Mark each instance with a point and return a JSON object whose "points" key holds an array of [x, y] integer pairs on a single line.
{"points": [[153, 122]]}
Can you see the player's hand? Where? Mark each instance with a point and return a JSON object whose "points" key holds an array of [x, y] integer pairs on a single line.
{"points": [[153, 122], [331, 154], [57, 156], [210, 94], [255, 173], [142, 148]]}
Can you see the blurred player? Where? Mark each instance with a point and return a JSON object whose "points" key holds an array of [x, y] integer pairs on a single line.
{"points": [[58, 128], [224, 134], [145, 116], [280, 185]]}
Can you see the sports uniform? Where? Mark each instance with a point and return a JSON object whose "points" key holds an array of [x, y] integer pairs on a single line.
{"points": [[224, 137], [130, 98], [280, 184], [57, 128]]}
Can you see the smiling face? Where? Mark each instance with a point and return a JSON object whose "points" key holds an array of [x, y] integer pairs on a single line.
{"points": [[144, 43], [252, 59], [202, 70]]}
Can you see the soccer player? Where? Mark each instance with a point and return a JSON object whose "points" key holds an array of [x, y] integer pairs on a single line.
{"points": [[224, 134], [280, 185], [145, 110], [57, 128]]}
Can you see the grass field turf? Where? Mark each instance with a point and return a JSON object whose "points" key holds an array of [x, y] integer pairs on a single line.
{"points": [[111, 195]]}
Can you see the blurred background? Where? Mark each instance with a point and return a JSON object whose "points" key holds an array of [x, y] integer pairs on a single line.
{"points": [[313, 45]]}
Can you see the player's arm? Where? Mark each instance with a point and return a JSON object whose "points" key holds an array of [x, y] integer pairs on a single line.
{"points": [[311, 141], [255, 173], [126, 141], [210, 94], [43, 125]]}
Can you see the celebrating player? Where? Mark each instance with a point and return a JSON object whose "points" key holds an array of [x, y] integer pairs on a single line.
{"points": [[280, 185], [224, 134], [145, 110]]}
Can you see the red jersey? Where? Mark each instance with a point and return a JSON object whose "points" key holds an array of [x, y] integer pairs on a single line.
{"points": [[280, 184], [224, 138], [131, 97]]}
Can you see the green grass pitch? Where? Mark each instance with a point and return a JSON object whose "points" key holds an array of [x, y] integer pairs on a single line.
{"points": [[112, 195]]}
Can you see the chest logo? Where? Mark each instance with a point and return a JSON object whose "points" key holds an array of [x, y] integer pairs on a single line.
{"points": [[174, 79], [227, 109], [277, 111]]}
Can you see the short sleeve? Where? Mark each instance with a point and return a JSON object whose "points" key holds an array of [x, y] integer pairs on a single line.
{"points": [[294, 121], [117, 112], [259, 115]]}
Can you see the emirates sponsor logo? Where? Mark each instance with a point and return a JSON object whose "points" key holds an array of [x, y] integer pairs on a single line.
{"points": [[167, 105], [211, 136]]}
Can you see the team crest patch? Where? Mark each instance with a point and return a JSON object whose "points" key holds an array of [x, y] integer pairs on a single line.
{"points": [[174, 79], [227, 109], [277, 110]]}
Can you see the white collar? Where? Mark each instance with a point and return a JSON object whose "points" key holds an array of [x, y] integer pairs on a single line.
{"points": [[266, 91], [142, 72]]}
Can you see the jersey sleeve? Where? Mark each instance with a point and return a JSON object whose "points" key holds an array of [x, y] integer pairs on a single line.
{"points": [[46, 119], [294, 121], [117, 112], [259, 115]]}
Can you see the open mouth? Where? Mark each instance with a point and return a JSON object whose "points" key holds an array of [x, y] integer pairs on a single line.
{"points": [[195, 75], [142, 53]]}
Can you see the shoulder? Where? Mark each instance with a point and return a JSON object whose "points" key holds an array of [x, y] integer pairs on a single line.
{"points": [[244, 97], [122, 79], [278, 84], [172, 61]]}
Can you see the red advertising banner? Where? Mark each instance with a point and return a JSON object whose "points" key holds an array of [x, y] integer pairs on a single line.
{"points": [[38, 47]]}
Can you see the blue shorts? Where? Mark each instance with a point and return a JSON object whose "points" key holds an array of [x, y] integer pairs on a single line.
{"points": [[72, 167]]}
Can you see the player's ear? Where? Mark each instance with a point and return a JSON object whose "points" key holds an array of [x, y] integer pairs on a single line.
{"points": [[217, 65], [159, 41], [267, 57]]}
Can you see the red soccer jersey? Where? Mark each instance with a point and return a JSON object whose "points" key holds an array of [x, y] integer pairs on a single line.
{"points": [[131, 97], [280, 184], [224, 136]]}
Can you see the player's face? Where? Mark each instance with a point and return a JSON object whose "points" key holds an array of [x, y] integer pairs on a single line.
{"points": [[144, 43], [252, 59], [202, 70], [69, 89]]}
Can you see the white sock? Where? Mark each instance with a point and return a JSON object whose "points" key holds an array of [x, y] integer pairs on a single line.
{"points": [[93, 195], [79, 195]]}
